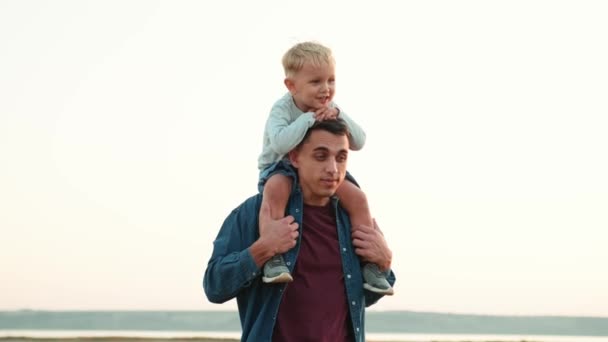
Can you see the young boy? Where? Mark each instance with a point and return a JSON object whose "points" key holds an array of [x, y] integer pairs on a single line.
{"points": [[310, 80]]}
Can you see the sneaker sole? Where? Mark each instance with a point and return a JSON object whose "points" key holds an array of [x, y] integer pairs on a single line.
{"points": [[281, 278], [388, 292]]}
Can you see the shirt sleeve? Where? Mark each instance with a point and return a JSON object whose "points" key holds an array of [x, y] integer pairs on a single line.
{"points": [[231, 267], [283, 134], [357, 135]]}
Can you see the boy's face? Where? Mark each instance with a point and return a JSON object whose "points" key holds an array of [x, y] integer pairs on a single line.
{"points": [[321, 162], [313, 87]]}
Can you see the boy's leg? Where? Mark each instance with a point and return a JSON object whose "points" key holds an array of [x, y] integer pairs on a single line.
{"points": [[354, 201], [276, 193]]}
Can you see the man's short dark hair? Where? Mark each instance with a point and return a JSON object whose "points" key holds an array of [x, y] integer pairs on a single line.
{"points": [[337, 127]]}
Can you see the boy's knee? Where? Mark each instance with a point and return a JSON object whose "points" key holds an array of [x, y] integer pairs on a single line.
{"points": [[279, 181], [359, 194]]}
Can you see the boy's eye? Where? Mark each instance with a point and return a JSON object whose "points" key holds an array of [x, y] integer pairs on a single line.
{"points": [[320, 156]]}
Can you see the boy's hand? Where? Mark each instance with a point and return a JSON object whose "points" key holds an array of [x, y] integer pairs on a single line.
{"points": [[326, 113]]}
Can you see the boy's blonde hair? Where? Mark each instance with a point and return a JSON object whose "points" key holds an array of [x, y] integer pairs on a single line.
{"points": [[306, 52]]}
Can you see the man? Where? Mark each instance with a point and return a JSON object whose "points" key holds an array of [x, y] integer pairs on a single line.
{"points": [[326, 301]]}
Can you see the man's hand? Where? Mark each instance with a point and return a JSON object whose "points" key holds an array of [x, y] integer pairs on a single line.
{"points": [[371, 246], [277, 235], [326, 113]]}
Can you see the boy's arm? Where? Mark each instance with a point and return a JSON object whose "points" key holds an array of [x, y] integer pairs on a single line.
{"points": [[357, 135], [283, 135]]}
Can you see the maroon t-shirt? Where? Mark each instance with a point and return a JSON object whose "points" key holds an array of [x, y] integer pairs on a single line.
{"points": [[314, 306]]}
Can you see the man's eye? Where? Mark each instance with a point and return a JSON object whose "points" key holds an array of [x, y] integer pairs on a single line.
{"points": [[320, 157]]}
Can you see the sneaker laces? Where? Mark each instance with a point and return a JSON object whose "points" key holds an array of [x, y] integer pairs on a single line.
{"points": [[276, 261]]}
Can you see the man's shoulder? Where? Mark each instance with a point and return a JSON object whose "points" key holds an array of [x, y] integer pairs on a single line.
{"points": [[251, 204]]}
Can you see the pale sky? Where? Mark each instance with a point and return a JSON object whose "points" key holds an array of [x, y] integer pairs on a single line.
{"points": [[130, 129]]}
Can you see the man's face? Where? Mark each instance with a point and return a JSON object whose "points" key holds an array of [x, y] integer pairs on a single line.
{"points": [[313, 87], [321, 163]]}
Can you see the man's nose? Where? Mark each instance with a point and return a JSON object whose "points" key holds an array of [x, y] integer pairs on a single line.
{"points": [[332, 166]]}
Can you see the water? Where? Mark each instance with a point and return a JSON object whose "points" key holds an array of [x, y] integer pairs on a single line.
{"points": [[381, 326]]}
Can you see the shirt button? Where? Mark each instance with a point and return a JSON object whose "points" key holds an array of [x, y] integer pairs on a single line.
{"points": [[297, 210], [344, 249], [354, 304], [357, 329], [348, 276], [288, 263]]}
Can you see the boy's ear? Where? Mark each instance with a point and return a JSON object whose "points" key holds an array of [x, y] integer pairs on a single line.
{"points": [[290, 85]]}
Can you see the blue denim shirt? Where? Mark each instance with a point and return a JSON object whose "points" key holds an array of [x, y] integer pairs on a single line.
{"points": [[232, 272]]}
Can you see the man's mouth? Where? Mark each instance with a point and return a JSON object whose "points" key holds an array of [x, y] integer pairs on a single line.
{"points": [[329, 181]]}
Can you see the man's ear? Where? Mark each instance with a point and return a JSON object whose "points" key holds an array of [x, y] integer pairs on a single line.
{"points": [[290, 85], [293, 157]]}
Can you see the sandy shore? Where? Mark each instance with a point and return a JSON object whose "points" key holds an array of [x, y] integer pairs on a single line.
{"points": [[137, 339], [129, 339], [115, 339], [19, 338]]}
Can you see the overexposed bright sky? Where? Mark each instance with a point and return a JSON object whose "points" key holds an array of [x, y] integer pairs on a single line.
{"points": [[130, 129]]}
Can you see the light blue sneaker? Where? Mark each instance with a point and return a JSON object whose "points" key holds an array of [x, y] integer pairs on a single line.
{"points": [[276, 271], [375, 280]]}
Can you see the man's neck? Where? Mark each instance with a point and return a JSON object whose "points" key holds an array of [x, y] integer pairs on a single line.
{"points": [[316, 201]]}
